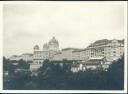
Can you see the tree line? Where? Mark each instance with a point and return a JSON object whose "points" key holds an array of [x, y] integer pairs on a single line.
{"points": [[52, 76]]}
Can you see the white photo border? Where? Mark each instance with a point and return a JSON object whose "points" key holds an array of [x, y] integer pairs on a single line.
{"points": [[61, 2]]}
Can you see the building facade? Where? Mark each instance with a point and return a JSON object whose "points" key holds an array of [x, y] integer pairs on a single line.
{"points": [[49, 50], [66, 54], [26, 57], [109, 49]]}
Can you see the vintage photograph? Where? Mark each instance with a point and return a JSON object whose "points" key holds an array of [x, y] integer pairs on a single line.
{"points": [[66, 46]]}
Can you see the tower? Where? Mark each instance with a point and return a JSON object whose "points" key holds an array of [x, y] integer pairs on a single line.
{"points": [[53, 47], [45, 47], [53, 44], [36, 48]]}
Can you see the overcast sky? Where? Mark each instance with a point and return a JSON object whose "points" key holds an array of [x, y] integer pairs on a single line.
{"points": [[72, 25]]}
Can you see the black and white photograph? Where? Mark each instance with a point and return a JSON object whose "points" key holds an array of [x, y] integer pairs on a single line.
{"points": [[64, 46]]}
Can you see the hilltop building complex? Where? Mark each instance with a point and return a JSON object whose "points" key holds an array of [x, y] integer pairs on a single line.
{"points": [[108, 49], [103, 51]]}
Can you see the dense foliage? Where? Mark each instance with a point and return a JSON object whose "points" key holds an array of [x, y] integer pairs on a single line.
{"points": [[52, 76]]}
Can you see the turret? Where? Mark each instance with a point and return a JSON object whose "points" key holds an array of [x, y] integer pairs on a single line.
{"points": [[45, 47], [36, 48]]}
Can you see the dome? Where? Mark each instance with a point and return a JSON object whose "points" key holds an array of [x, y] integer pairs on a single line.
{"points": [[45, 45], [36, 47], [53, 40]]}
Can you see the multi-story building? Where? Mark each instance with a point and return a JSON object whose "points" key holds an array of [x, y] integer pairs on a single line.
{"points": [[111, 49], [76, 55], [66, 54], [108, 49], [49, 50], [27, 57]]}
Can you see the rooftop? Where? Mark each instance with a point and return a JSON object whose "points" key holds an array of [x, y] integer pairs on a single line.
{"points": [[27, 54], [71, 49], [104, 42]]}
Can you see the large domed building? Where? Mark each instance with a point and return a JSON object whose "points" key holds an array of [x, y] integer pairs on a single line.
{"points": [[49, 50], [106, 50], [53, 44]]}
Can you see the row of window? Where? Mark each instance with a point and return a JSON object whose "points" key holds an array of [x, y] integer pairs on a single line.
{"points": [[39, 62]]}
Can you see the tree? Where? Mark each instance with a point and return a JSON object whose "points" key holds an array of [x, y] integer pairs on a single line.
{"points": [[8, 66], [19, 80], [53, 76], [23, 64], [115, 74]]}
